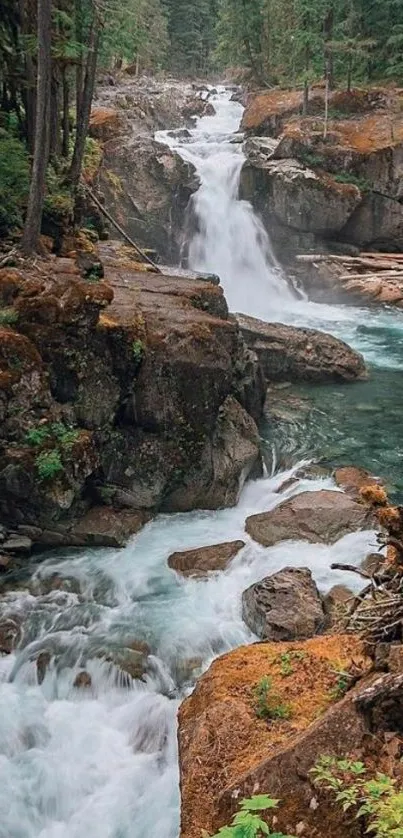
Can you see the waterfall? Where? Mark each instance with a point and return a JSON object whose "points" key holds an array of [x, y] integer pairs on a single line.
{"points": [[230, 239]]}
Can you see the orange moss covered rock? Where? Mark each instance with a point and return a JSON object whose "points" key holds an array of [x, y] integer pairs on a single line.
{"points": [[227, 752]]}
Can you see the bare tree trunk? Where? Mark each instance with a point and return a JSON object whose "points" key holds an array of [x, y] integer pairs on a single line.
{"points": [[86, 102], [66, 115], [54, 121], [33, 220], [79, 68], [305, 103], [27, 14], [327, 94]]}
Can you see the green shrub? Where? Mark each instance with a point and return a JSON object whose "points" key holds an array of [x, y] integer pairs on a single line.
{"points": [[37, 436], [8, 316], [376, 801], [14, 182], [247, 823], [138, 350], [65, 435], [268, 705], [49, 465], [353, 180]]}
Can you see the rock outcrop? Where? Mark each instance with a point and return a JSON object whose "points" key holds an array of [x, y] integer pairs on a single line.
{"points": [[313, 192], [318, 517], [147, 402], [228, 752], [205, 560], [284, 606], [288, 353], [146, 186]]}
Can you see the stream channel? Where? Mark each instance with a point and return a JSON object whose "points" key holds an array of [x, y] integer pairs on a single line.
{"points": [[102, 762]]}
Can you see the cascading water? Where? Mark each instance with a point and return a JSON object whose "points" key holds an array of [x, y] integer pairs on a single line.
{"points": [[101, 762], [231, 240]]}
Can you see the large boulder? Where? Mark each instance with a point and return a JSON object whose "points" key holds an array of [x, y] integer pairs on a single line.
{"points": [[227, 752], [297, 197], [318, 517], [204, 560], [284, 606], [147, 187], [288, 353]]}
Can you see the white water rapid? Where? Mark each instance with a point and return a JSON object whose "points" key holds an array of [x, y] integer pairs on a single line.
{"points": [[101, 762]]}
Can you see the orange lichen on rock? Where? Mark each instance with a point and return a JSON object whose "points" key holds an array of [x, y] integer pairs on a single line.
{"points": [[221, 736], [374, 495]]}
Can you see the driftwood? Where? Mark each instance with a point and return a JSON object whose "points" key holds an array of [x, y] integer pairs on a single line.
{"points": [[122, 232]]}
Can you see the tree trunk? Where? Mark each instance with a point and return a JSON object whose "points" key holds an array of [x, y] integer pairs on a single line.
{"points": [[349, 73], [327, 94], [54, 121], [79, 68], [306, 82], [27, 14], [66, 115], [33, 220], [86, 102]]}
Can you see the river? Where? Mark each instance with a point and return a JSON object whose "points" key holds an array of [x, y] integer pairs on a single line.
{"points": [[102, 762]]}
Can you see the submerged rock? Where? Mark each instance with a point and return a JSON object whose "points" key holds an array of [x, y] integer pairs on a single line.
{"points": [[288, 353], [318, 517], [204, 560], [352, 479], [284, 606]]}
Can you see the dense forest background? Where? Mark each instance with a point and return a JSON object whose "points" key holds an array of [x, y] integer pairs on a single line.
{"points": [[50, 51]]}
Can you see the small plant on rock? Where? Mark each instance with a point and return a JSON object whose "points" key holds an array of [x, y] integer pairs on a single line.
{"points": [[247, 823], [377, 802], [8, 317], [37, 436], [286, 661], [268, 705], [49, 465], [138, 350]]}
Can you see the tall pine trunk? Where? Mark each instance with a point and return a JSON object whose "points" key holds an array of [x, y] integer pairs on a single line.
{"points": [[66, 114], [83, 118], [79, 68], [33, 220]]}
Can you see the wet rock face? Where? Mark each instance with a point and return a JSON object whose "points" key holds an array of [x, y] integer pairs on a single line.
{"points": [[296, 197], [148, 186], [287, 353], [204, 560], [318, 517], [285, 606]]}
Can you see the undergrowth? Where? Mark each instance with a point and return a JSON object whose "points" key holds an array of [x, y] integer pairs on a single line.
{"points": [[376, 801], [268, 704], [248, 823]]}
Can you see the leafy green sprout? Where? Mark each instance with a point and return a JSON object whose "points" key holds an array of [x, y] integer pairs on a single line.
{"points": [[248, 823], [376, 800], [268, 705], [138, 350], [286, 661], [49, 465], [342, 685]]}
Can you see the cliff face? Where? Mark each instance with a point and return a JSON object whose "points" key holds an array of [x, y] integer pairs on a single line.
{"points": [[136, 393], [311, 188]]}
